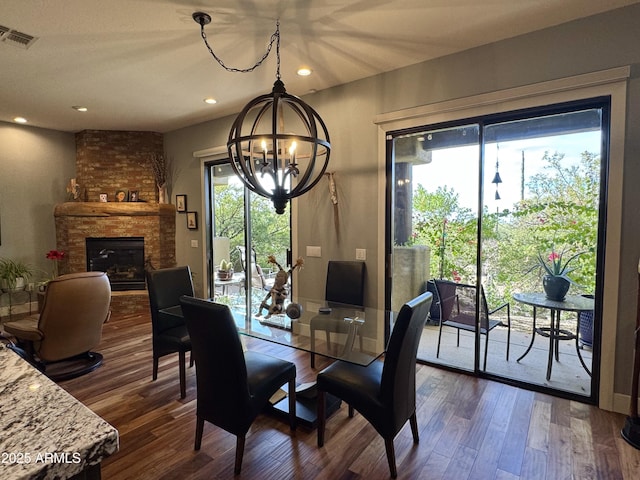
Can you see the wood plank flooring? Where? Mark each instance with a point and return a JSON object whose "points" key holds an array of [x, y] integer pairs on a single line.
{"points": [[469, 428]]}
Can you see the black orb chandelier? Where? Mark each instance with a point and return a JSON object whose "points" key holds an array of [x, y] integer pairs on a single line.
{"points": [[278, 145]]}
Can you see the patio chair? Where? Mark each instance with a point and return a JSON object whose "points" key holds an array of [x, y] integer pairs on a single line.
{"points": [[458, 310], [258, 279]]}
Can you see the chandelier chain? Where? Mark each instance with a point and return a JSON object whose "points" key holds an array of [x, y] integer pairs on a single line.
{"points": [[275, 37]]}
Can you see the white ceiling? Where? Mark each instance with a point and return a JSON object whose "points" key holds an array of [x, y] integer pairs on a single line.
{"points": [[142, 65]]}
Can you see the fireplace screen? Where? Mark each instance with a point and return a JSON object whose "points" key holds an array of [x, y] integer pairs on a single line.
{"points": [[121, 258]]}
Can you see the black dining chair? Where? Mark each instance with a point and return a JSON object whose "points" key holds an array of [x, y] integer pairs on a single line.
{"points": [[344, 287], [233, 386], [169, 333], [383, 392]]}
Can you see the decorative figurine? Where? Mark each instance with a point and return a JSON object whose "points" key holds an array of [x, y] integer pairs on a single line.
{"points": [[280, 289]]}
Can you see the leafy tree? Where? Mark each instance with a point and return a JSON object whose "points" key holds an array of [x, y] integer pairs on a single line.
{"points": [[270, 231]]}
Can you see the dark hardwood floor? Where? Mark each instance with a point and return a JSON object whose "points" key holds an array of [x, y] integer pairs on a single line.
{"points": [[469, 427]]}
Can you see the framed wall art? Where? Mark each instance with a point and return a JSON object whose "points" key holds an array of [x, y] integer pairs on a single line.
{"points": [[192, 220], [181, 203]]}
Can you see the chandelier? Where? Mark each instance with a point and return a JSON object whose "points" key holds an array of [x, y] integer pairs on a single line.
{"points": [[278, 145]]}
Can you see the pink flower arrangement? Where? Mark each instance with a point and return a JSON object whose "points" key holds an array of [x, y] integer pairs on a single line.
{"points": [[55, 256]]}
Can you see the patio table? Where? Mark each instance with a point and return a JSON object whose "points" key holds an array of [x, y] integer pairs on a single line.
{"points": [[571, 303]]}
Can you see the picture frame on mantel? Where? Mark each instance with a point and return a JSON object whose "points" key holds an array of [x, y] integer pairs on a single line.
{"points": [[192, 220], [133, 196], [122, 196], [181, 203], [104, 197]]}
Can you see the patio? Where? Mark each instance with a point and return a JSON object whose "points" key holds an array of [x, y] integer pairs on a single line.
{"points": [[567, 373]]}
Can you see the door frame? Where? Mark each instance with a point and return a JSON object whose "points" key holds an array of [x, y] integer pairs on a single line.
{"points": [[612, 83]]}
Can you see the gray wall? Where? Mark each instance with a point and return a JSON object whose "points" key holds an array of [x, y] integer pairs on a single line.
{"points": [[591, 44], [35, 166]]}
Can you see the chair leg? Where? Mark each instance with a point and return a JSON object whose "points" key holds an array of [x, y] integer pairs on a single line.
{"points": [[391, 456], [413, 421], [351, 411], [293, 420], [199, 430], [313, 360], [154, 375], [508, 336], [486, 348], [321, 399], [183, 374], [239, 454], [439, 338], [191, 359], [458, 341]]}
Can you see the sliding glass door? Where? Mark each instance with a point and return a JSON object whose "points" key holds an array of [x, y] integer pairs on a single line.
{"points": [[245, 232], [478, 206]]}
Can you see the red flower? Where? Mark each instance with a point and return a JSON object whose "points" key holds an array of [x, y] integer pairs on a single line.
{"points": [[55, 255]]}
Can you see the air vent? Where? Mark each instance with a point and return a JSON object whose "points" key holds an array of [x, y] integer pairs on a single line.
{"points": [[16, 38]]}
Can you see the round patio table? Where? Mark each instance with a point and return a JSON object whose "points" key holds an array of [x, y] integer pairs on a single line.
{"points": [[571, 303]]}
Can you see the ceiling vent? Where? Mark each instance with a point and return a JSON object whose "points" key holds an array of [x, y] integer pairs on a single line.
{"points": [[16, 38]]}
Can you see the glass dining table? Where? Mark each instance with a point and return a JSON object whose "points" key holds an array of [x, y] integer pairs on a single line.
{"points": [[337, 331]]}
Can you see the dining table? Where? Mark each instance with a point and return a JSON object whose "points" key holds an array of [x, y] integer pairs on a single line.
{"points": [[343, 332], [571, 303]]}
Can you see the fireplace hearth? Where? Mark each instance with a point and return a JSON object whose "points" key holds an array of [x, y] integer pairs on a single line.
{"points": [[122, 258]]}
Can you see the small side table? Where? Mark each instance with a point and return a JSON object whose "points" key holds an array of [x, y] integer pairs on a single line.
{"points": [[572, 303]]}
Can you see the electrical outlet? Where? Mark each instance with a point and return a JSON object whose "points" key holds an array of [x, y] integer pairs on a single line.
{"points": [[361, 254]]}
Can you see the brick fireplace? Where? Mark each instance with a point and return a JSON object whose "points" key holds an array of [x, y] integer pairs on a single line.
{"points": [[107, 161]]}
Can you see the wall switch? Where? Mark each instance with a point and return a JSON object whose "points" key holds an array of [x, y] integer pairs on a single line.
{"points": [[361, 254], [194, 243], [314, 251]]}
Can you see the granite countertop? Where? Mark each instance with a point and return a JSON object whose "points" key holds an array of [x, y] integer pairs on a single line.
{"points": [[45, 432]]}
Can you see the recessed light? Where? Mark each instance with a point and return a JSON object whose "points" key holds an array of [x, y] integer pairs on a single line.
{"points": [[210, 100], [79, 108], [20, 120], [304, 71]]}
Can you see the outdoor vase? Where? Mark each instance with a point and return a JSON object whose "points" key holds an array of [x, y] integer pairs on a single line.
{"points": [[555, 288]]}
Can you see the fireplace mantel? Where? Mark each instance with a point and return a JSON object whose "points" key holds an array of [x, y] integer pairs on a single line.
{"points": [[109, 209], [75, 221]]}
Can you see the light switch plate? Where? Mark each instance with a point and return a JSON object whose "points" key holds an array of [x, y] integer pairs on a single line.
{"points": [[194, 243], [361, 253], [314, 251]]}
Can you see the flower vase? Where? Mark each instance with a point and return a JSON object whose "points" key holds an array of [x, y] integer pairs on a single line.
{"points": [[163, 194], [555, 288]]}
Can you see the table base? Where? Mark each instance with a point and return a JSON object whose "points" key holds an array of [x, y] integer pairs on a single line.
{"points": [[306, 407]]}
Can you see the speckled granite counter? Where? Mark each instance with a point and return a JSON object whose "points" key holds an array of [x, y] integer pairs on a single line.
{"points": [[45, 433]]}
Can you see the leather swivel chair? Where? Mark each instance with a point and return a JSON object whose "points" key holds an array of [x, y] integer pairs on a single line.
{"points": [[59, 340], [169, 333], [383, 392], [233, 386], [344, 287]]}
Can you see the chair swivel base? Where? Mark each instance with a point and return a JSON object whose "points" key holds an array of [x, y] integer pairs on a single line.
{"points": [[72, 367]]}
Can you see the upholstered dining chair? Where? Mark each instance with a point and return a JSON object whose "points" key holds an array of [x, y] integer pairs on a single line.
{"points": [[458, 310], [344, 286], [233, 386], [383, 392], [60, 339], [169, 333]]}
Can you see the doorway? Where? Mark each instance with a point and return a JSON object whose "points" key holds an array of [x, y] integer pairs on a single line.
{"points": [[244, 231], [482, 203]]}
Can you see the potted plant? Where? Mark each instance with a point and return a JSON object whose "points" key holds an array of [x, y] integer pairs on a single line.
{"points": [[225, 270], [555, 281], [14, 274]]}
